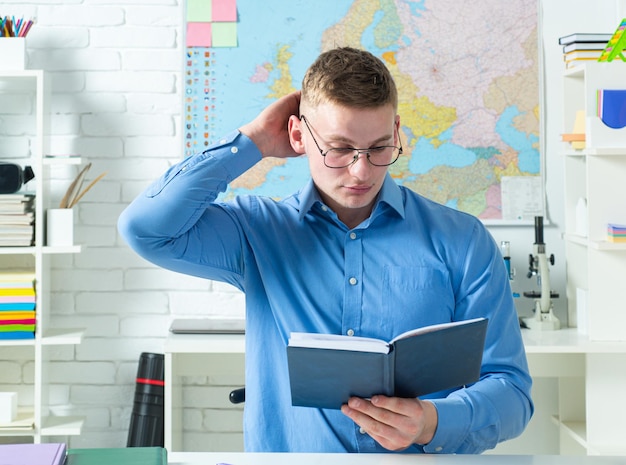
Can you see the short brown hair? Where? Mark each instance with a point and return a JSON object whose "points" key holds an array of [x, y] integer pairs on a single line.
{"points": [[349, 77]]}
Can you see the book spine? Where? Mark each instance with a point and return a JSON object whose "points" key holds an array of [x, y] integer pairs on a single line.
{"points": [[389, 376]]}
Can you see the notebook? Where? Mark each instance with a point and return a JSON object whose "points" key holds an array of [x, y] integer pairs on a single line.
{"points": [[208, 326], [118, 456], [33, 454]]}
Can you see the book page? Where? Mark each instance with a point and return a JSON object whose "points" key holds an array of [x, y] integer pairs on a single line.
{"points": [[363, 344], [431, 328], [338, 342]]}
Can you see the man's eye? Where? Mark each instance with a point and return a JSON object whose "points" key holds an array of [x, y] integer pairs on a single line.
{"points": [[377, 150]]}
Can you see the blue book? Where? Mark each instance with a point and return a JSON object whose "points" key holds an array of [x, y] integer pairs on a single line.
{"points": [[326, 370], [17, 306], [12, 335], [612, 107]]}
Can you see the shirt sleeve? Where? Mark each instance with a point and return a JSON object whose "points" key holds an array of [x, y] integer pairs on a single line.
{"points": [[498, 406], [169, 222]]}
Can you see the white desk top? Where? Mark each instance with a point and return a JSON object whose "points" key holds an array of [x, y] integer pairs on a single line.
{"points": [[561, 341], [234, 458]]}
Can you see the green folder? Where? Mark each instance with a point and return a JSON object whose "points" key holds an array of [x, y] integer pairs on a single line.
{"points": [[119, 456]]}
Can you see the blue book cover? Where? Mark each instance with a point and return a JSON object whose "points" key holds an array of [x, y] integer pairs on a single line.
{"points": [[326, 370], [612, 107]]}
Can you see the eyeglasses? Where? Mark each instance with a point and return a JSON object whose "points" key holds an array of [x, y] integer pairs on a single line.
{"points": [[342, 157]]}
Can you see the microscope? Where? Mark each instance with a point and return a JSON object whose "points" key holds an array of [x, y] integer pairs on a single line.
{"points": [[544, 318]]}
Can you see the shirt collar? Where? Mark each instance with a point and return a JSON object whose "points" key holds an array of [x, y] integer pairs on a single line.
{"points": [[390, 194]]}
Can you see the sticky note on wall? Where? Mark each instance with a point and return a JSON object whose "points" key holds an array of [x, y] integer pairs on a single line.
{"points": [[199, 35], [211, 23], [199, 11]]}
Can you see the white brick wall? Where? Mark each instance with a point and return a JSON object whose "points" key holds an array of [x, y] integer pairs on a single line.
{"points": [[116, 69]]}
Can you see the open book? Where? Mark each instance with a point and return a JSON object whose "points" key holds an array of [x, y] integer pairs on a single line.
{"points": [[325, 370]]}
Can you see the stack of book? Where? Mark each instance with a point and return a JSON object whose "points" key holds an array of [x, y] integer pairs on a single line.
{"points": [[583, 47], [17, 220], [616, 233], [17, 305]]}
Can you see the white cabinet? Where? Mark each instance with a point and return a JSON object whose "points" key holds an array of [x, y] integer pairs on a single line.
{"points": [[592, 407], [25, 102]]}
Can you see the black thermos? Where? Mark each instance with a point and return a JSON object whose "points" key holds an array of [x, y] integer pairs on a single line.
{"points": [[146, 422]]}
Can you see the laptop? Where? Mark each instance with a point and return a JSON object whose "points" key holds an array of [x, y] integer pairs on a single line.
{"points": [[208, 326]]}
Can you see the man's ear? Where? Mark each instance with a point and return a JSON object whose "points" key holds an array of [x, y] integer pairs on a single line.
{"points": [[296, 135]]}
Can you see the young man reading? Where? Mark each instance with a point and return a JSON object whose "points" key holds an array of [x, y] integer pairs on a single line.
{"points": [[351, 253]]}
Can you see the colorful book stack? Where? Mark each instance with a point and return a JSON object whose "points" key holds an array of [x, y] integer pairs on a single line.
{"points": [[17, 220], [17, 305], [616, 233], [583, 47]]}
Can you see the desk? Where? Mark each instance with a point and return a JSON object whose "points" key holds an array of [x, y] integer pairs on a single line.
{"points": [[193, 355], [585, 372], [212, 458]]}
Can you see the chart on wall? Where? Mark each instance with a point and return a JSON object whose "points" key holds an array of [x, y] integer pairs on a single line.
{"points": [[467, 75]]}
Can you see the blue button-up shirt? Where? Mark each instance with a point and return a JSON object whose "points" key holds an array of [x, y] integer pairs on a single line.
{"points": [[412, 263]]}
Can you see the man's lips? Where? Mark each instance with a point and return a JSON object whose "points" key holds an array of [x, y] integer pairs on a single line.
{"points": [[358, 189]]}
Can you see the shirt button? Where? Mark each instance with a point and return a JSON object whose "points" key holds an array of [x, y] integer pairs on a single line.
{"points": [[222, 141], [234, 149], [324, 208], [361, 430], [438, 449], [352, 235], [350, 332], [352, 281]]}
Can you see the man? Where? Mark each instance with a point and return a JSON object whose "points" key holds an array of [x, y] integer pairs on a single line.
{"points": [[351, 253]]}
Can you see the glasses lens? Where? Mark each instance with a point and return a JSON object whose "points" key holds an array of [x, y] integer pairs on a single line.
{"points": [[378, 156]]}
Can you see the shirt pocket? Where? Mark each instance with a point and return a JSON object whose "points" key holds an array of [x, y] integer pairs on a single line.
{"points": [[415, 296]]}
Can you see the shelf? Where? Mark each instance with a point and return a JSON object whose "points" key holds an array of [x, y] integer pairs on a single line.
{"points": [[568, 341], [17, 250], [63, 336], [35, 85], [23, 424], [575, 72], [66, 249], [45, 250], [62, 426], [596, 152], [613, 451], [577, 430], [199, 343], [61, 160], [20, 73], [590, 386], [17, 342], [596, 245]]}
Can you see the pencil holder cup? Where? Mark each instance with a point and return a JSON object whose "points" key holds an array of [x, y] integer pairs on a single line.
{"points": [[8, 407], [60, 227], [13, 53]]}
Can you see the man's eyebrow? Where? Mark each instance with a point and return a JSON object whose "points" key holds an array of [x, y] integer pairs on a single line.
{"points": [[345, 140]]}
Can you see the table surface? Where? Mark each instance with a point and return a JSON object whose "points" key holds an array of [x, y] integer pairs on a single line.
{"points": [[238, 458], [562, 341]]}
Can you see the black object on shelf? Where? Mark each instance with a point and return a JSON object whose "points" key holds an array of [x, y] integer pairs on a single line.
{"points": [[146, 421]]}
